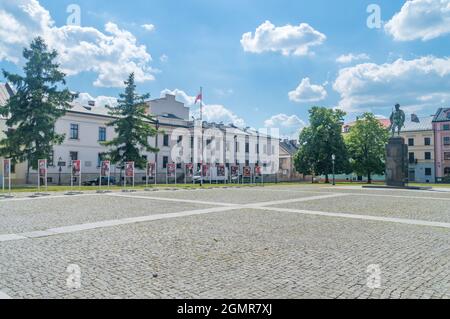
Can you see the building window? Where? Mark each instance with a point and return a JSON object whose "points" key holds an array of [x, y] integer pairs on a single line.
{"points": [[73, 156], [166, 140], [100, 158], [447, 140], [447, 171], [257, 148], [237, 146], [412, 159], [427, 141], [247, 148], [447, 156], [74, 131], [51, 157], [192, 142], [446, 127], [427, 156], [180, 139], [179, 166], [165, 161], [428, 171], [102, 134], [411, 142]]}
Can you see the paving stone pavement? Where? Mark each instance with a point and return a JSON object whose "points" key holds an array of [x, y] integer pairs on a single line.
{"points": [[243, 252]]}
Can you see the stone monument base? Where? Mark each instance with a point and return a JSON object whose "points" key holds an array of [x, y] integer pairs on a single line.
{"points": [[396, 162]]}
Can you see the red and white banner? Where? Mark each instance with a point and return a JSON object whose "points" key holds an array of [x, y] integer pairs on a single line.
{"points": [[247, 171], [258, 171], [205, 170], [221, 170], [171, 170], [6, 168], [42, 168], [129, 169], [234, 171], [189, 170], [105, 170], [76, 168], [151, 169]]}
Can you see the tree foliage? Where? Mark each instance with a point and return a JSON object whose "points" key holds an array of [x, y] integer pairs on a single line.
{"points": [[35, 107], [320, 141], [133, 127], [366, 144]]}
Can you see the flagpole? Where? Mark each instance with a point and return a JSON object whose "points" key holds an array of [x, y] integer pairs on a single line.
{"points": [[201, 123]]}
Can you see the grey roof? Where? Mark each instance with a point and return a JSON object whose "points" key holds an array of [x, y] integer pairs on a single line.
{"points": [[442, 115], [289, 147], [425, 124]]}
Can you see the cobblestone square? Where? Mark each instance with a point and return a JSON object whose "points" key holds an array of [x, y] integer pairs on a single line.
{"points": [[248, 242]]}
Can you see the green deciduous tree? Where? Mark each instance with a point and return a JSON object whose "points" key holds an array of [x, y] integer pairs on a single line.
{"points": [[35, 107], [320, 141], [133, 127], [366, 144]]}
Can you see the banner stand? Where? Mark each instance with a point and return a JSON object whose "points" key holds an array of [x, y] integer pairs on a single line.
{"points": [[42, 173], [171, 172], [105, 171], [129, 173], [6, 169], [150, 173], [75, 172]]}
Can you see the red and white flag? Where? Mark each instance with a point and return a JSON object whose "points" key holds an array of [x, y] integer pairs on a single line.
{"points": [[199, 98]]}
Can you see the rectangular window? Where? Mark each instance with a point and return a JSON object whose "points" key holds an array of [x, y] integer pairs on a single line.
{"points": [[165, 161], [257, 148], [74, 131], [446, 127], [247, 148], [411, 142], [237, 146], [427, 156], [427, 141], [411, 158], [192, 142], [166, 140], [73, 156], [428, 171], [102, 134], [447, 156], [51, 159], [447, 140]]}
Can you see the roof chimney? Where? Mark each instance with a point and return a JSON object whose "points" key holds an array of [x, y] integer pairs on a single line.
{"points": [[91, 103], [415, 118]]}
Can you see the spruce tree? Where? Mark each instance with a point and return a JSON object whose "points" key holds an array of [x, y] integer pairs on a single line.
{"points": [[35, 107], [133, 127]]}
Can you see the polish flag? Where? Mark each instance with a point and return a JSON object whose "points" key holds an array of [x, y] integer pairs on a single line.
{"points": [[198, 98]]}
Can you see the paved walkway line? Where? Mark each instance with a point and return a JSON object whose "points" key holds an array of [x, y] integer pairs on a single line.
{"points": [[22, 199], [295, 200], [178, 200], [4, 296], [361, 217]]}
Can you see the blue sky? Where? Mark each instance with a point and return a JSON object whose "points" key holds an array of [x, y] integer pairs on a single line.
{"points": [[260, 81]]}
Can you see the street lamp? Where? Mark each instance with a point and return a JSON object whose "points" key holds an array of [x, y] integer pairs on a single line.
{"points": [[333, 158], [60, 165]]}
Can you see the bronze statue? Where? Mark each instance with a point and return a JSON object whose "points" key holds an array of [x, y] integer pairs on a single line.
{"points": [[398, 118]]}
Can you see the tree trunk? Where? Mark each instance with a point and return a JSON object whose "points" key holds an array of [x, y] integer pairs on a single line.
{"points": [[27, 181], [327, 179], [369, 177]]}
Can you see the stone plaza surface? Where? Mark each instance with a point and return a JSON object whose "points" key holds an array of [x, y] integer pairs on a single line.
{"points": [[262, 242]]}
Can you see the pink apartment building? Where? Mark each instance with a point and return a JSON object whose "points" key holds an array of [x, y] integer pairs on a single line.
{"points": [[441, 126]]}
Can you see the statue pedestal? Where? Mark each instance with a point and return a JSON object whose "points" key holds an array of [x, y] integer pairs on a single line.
{"points": [[396, 162]]}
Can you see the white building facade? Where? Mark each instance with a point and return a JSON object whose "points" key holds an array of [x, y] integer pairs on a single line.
{"points": [[179, 142]]}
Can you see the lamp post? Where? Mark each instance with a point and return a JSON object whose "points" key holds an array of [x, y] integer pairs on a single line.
{"points": [[333, 158]]}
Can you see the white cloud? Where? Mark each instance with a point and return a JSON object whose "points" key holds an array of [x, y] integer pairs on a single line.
{"points": [[416, 84], [112, 54], [288, 125], [420, 19], [148, 27], [349, 58], [164, 58], [211, 112], [307, 92], [100, 101], [288, 39]]}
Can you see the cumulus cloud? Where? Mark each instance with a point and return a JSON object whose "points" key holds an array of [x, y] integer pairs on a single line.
{"points": [[288, 39], [307, 92], [148, 27], [100, 101], [416, 84], [288, 125], [112, 54], [349, 58], [211, 112], [420, 19]]}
